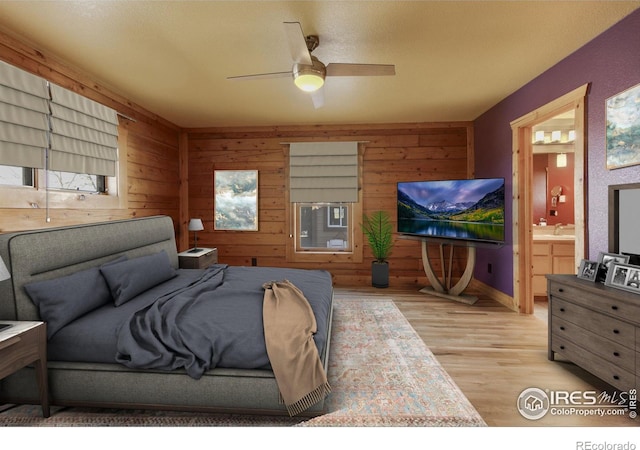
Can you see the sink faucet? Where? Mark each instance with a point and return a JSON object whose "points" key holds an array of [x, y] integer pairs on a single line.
{"points": [[557, 228]]}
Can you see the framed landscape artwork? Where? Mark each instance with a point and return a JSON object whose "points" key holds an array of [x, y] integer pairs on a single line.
{"points": [[623, 128], [235, 201]]}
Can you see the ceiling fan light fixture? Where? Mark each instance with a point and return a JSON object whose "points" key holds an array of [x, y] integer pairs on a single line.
{"points": [[309, 82], [309, 78]]}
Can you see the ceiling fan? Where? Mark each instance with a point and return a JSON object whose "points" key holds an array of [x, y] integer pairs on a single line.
{"points": [[309, 72]]}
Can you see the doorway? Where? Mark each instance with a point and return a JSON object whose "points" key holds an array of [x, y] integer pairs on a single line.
{"points": [[523, 219]]}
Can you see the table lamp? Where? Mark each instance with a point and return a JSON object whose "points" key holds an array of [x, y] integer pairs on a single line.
{"points": [[195, 225]]}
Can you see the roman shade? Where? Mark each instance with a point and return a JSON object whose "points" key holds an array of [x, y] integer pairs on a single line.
{"points": [[323, 172], [24, 123], [84, 134], [36, 117]]}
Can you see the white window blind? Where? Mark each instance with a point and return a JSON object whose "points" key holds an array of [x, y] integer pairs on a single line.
{"points": [[84, 135], [323, 172], [24, 123]]}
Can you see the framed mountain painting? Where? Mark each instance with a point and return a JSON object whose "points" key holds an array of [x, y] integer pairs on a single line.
{"points": [[623, 128]]}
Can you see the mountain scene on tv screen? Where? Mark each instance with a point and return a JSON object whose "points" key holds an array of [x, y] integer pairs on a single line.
{"points": [[488, 209]]}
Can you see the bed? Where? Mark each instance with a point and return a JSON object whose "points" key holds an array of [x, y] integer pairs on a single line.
{"points": [[113, 296]]}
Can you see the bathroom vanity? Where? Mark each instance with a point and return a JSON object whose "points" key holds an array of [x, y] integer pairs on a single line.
{"points": [[553, 253]]}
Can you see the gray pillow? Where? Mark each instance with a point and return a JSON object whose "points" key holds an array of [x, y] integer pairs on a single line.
{"points": [[130, 278], [62, 300]]}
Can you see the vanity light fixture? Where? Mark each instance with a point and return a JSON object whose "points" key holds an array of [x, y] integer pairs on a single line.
{"points": [[561, 160], [572, 135], [538, 137], [556, 136]]}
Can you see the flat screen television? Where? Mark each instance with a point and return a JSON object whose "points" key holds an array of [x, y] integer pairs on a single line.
{"points": [[463, 210], [624, 218]]}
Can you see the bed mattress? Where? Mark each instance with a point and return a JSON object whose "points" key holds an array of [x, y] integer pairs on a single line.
{"points": [[94, 336]]}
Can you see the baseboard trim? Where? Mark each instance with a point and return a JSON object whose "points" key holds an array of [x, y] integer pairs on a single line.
{"points": [[489, 291]]}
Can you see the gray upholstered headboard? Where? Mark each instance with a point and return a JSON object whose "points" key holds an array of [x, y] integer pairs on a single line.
{"points": [[55, 252]]}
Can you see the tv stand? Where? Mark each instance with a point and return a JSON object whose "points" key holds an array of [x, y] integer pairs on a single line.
{"points": [[441, 287]]}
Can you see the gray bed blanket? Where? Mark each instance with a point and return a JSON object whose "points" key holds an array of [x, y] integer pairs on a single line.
{"points": [[216, 321]]}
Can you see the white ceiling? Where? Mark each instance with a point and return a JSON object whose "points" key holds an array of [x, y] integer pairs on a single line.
{"points": [[454, 59]]}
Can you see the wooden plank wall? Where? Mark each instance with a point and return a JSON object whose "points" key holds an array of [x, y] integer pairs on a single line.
{"points": [[170, 171], [149, 147], [394, 152]]}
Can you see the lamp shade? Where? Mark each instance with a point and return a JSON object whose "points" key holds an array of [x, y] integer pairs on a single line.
{"points": [[4, 272], [196, 225]]}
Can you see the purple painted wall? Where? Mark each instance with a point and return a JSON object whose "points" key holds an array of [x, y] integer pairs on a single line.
{"points": [[610, 64]]}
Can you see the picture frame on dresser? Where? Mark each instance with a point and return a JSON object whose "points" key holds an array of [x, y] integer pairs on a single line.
{"points": [[605, 260], [624, 276], [588, 270]]}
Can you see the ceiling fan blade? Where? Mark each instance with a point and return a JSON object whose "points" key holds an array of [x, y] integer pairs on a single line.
{"points": [[297, 43], [318, 98], [261, 76], [359, 70]]}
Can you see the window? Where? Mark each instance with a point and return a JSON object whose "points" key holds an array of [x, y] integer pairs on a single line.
{"points": [[337, 216], [324, 202], [55, 142], [323, 227], [84, 182], [16, 176], [24, 176]]}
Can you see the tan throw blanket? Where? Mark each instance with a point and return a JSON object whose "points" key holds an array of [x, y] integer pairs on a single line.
{"points": [[289, 326]]}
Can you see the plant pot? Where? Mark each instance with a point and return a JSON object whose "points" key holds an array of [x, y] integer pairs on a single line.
{"points": [[380, 274]]}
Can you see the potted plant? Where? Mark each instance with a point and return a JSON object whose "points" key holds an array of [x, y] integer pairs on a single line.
{"points": [[378, 229]]}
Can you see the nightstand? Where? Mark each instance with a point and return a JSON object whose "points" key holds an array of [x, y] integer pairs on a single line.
{"points": [[21, 344], [200, 259]]}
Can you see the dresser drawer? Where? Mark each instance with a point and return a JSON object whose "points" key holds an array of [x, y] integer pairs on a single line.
{"points": [[621, 332], [614, 352], [603, 369], [619, 308]]}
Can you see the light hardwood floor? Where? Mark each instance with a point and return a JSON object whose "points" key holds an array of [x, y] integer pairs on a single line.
{"points": [[493, 354]]}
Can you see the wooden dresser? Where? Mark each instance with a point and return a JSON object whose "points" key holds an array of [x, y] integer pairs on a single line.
{"points": [[596, 327]]}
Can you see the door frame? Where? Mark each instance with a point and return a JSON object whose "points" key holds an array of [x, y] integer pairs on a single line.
{"points": [[522, 163]]}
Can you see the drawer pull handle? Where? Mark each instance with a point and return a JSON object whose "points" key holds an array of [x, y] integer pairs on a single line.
{"points": [[562, 347], [562, 328], [616, 331], [561, 309], [560, 290], [616, 354], [616, 377], [614, 307]]}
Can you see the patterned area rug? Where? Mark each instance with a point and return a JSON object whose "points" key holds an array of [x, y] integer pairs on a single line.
{"points": [[381, 373]]}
